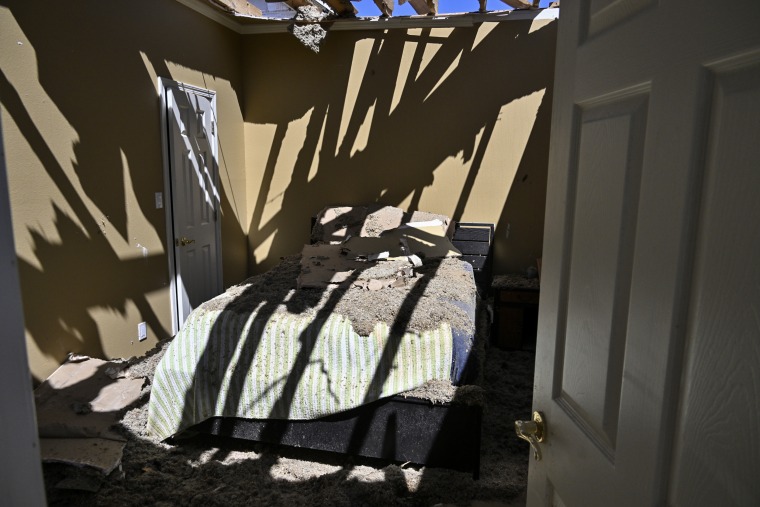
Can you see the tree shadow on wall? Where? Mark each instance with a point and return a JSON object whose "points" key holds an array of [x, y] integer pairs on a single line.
{"points": [[447, 108], [99, 81]]}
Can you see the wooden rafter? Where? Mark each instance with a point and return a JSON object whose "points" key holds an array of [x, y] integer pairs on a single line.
{"points": [[237, 6], [521, 4], [423, 7], [386, 7], [341, 7], [295, 4]]}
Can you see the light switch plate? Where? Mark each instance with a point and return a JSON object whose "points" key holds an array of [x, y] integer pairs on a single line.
{"points": [[142, 331]]}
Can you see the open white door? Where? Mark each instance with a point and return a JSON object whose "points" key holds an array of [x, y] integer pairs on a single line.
{"points": [[648, 355], [194, 198]]}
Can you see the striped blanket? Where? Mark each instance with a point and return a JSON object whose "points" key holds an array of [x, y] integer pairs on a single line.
{"points": [[286, 366]]}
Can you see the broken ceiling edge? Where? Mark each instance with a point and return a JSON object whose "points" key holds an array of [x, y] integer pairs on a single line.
{"points": [[257, 25]]}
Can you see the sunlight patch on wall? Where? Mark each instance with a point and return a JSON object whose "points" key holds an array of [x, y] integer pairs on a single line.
{"points": [[315, 162], [286, 169], [42, 364], [32, 187], [149, 68], [364, 131], [432, 46], [289, 172], [361, 57], [404, 69], [117, 329], [142, 239], [445, 75], [483, 31], [261, 250], [513, 134]]}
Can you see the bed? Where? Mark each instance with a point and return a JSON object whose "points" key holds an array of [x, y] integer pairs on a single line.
{"points": [[364, 343]]}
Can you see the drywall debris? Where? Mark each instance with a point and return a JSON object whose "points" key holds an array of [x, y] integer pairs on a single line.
{"points": [[306, 27], [102, 454], [77, 407]]}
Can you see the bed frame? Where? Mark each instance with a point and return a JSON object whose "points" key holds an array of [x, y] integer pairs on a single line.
{"points": [[397, 429]]}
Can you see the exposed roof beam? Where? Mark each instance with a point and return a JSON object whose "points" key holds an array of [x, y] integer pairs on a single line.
{"points": [[518, 4], [237, 6], [342, 7], [295, 4], [249, 25], [386, 7], [423, 7]]}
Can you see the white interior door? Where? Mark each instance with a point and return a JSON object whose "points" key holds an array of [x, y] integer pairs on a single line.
{"points": [[191, 125], [648, 355]]}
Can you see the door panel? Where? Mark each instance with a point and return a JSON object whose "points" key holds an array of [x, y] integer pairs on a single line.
{"points": [[611, 135], [713, 465], [655, 133], [195, 201]]}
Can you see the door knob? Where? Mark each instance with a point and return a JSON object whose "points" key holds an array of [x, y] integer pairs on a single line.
{"points": [[183, 241], [533, 432]]}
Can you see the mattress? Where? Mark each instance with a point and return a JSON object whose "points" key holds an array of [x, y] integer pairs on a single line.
{"points": [[267, 350]]}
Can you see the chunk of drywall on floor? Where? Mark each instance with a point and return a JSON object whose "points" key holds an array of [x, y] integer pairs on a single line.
{"points": [[84, 398], [102, 454]]}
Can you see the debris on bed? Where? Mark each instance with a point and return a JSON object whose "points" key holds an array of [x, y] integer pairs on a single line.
{"points": [[334, 224], [391, 290], [434, 297], [443, 391]]}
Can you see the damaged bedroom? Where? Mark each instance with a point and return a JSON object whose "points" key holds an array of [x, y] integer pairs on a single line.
{"points": [[376, 252]]}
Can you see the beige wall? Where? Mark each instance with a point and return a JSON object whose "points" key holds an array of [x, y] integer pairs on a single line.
{"points": [[80, 118], [453, 121]]}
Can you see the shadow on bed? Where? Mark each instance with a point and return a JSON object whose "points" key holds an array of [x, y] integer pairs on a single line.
{"points": [[398, 428]]}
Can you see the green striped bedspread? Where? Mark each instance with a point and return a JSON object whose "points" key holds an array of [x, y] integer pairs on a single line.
{"points": [[285, 367]]}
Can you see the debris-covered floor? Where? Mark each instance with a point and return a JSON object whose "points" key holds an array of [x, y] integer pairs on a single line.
{"points": [[211, 471]]}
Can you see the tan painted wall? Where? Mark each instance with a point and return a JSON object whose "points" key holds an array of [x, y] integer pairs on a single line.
{"points": [[452, 121], [80, 118]]}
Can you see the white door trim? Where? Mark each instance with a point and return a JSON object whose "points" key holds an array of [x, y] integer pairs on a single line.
{"points": [[163, 85]]}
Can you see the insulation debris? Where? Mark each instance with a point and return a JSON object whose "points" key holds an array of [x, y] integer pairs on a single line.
{"points": [[306, 27], [442, 391], [335, 223], [435, 297]]}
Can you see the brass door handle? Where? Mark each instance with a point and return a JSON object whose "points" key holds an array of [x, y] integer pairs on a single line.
{"points": [[533, 432], [183, 241]]}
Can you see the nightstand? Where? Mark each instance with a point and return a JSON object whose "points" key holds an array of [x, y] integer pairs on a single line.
{"points": [[516, 310]]}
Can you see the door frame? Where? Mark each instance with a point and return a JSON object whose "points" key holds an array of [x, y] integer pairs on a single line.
{"points": [[168, 196]]}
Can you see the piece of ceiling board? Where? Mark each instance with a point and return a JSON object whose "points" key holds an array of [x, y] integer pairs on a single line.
{"points": [[99, 453]]}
